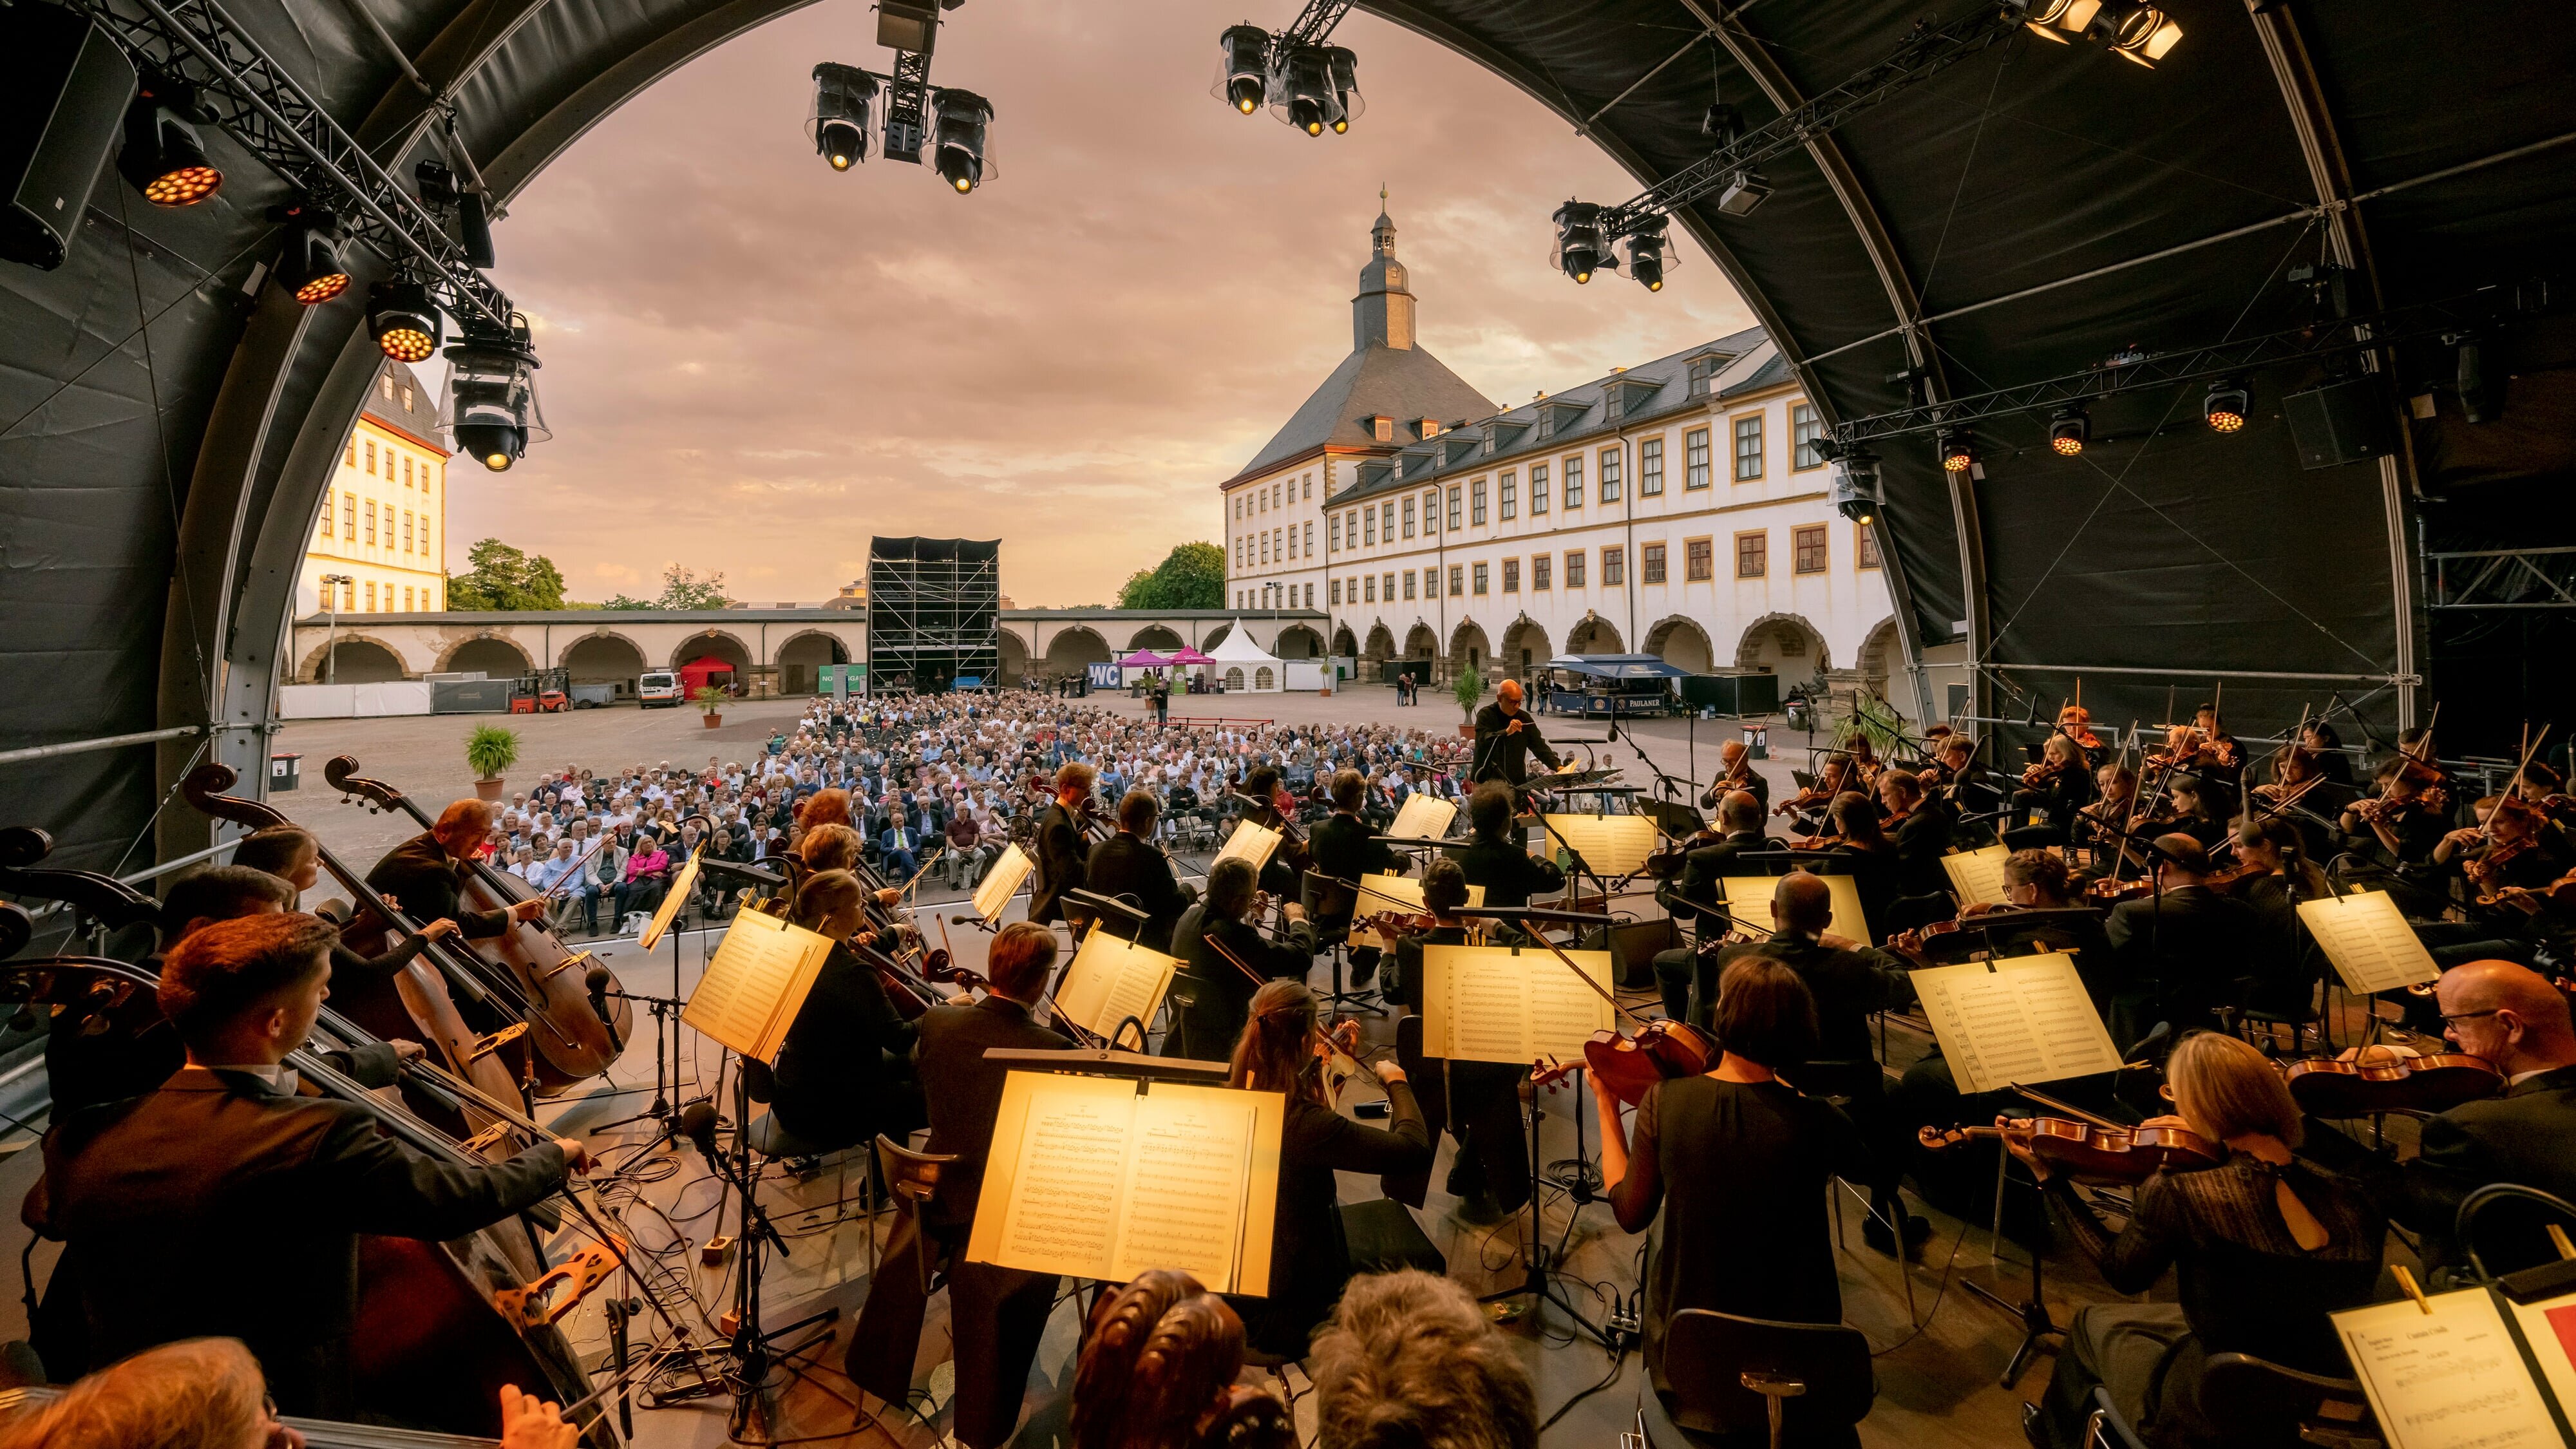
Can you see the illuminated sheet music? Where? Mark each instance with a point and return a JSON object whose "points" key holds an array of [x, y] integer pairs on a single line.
{"points": [[1491, 1004], [2026, 1021], [1010, 871], [2369, 942], [1250, 841], [1424, 816], [2451, 1379], [1748, 902], [1111, 980], [1609, 844], [1978, 875], [756, 983], [681, 884], [1090, 1178]]}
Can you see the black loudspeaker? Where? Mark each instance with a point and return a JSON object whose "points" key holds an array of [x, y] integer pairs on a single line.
{"points": [[2342, 422], [63, 92], [1742, 696]]}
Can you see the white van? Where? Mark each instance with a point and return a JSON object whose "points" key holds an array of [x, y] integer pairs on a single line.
{"points": [[657, 688]]}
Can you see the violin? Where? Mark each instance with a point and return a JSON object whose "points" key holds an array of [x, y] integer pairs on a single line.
{"points": [[1391, 924], [2225, 882], [2369, 1080], [1662, 1050], [2091, 1152], [2038, 776]]}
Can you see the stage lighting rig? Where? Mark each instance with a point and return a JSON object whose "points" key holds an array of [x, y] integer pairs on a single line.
{"points": [[2224, 405], [1856, 491], [491, 410], [464, 205], [1648, 256], [1958, 450], [964, 117], [844, 121], [403, 320], [310, 267], [1307, 83], [1579, 248], [163, 155], [2069, 429], [2138, 33]]}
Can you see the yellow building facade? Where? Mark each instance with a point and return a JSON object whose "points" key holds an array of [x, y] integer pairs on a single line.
{"points": [[383, 520]]}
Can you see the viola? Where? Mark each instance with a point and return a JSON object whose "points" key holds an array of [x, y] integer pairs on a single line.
{"points": [[2487, 867], [2370, 1080], [1662, 1050], [1391, 924], [2092, 1152]]}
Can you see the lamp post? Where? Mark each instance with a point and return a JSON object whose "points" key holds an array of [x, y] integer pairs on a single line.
{"points": [[331, 640]]}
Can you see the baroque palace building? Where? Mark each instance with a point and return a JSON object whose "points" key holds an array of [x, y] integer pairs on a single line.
{"points": [[384, 517], [1676, 508]]}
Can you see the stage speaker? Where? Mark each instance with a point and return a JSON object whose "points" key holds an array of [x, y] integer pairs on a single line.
{"points": [[63, 92], [2341, 422]]}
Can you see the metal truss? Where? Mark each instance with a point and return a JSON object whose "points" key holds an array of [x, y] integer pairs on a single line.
{"points": [[907, 107], [262, 107], [1314, 23], [2503, 578], [1925, 53]]}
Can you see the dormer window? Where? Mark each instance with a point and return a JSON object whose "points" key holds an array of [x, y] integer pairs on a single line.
{"points": [[1427, 428], [1701, 369], [1382, 427]]}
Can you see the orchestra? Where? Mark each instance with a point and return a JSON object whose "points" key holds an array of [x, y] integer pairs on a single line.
{"points": [[201, 1187]]}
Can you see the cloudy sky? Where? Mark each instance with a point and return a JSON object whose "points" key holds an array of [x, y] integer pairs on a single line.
{"points": [[752, 362]]}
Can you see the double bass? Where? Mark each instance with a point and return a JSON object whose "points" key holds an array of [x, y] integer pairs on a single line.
{"points": [[573, 1039]]}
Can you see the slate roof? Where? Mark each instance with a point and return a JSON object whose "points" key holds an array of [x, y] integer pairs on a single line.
{"points": [[420, 420], [1404, 383]]}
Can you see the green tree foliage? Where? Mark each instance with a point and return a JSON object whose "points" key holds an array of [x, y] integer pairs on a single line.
{"points": [[1191, 576], [505, 578], [681, 589]]}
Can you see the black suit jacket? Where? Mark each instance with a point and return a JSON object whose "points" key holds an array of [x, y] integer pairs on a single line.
{"points": [[1344, 847], [1504, 756], [1509, 874], [1704, 868], [2527, 1136], [1849, 986], [2191, 948], [1211, 995], [421, 875], [965, 1091], [1125, 865], [1754, 783], [1922, 838], [221, 1206], [1060, 862]]}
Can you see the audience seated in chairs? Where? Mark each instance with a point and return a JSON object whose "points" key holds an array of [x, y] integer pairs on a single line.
{"points": [[1158, 1370], [1410, 1361]]}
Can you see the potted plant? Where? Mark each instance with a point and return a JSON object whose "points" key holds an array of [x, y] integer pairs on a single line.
{"points": [[710, 699], [490, 751], [1469, 688]]}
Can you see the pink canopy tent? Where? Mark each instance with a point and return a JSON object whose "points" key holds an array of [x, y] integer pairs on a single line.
{"points": [[1187, 655], [1143, 659]]}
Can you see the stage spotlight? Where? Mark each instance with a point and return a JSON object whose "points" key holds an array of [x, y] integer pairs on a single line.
{"points": [[491, 410], [2138, 33], [2069, 430], [1342, 70], [1243, 67], [964, 118], [402, 319], [844, 108], [1744, 191], [1579, 249], [1302, 76], [2224, 405], [310, 267], [1856, 486], [163, 155], [1958, 450], [2061, 20], [1646, 253]]}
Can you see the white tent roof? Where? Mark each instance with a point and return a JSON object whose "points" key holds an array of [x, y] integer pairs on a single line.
{"points": [[1238, 647]]}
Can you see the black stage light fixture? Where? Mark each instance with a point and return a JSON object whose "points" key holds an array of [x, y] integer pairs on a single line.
{"points": [[68, 87], [1856, 494], [2224, 405], [402, 319], [1646, 253], [439, 192], [844, 107], [2480, 400], [2060, 20], [1302, 82], [1744, 191], [491, 410], [1579, 248], [164, 156], [911, 25], [2138, 33], [1243, 67], [964, 118], [1342, 72], [311, 267], [1958, 450], [2069, 430]]}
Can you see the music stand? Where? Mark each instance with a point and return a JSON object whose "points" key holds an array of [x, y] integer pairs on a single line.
{"points": [[1333, 922]]}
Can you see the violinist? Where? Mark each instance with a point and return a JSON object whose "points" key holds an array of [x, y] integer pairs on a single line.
{"points": [[1807, 808], [1861, 849], [1060, 855], [2182, 948], [1344, 848], [1476, 1103], [1492, 859], [1919, 829], [1444, 890], [2507, 848], [225, 1205], [2185, 810], [845, 1072], [2396, 830], [1735, 772], [2264, 1244], [1225, 958], [1864, 761], [1268, 805], [2325, 745], [2220, 751], [2300, 794], [2059, 786], [1128, 864], [2115, 792], [2076, 722]]}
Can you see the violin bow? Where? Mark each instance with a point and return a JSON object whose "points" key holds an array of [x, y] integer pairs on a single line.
{"points": [[575, 873]]}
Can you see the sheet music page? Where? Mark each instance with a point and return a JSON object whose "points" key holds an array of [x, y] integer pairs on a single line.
{"points": [[1056, 1173], [1401, 894], [1250, 841], [1609, 844], [755, 983], [2027, 1021], [1978, 875], [2549, 1331], [681, 884], [1748, 902], [1564, 1013], [2369, 942], [1485, 1004], [1191, 1156], [1010, 870], [2451, 1379], [1424, 816], [1111, 980]]}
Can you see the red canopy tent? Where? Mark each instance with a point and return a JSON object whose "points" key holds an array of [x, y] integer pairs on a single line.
{"points": [[704, 670]]}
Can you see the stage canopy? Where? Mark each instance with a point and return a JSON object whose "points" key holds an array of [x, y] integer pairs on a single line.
{"points": [[2033, 211]]}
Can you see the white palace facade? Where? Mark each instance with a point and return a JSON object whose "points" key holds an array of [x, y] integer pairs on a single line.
{"points": [[1675, 508]]}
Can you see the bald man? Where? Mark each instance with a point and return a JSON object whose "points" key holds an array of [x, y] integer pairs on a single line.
{"points": [[2511, 1016], [1735, 772], [1506, 738], [426, 873]]}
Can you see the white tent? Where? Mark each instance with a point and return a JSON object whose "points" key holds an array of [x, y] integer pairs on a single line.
{"points": [[1243, 665]]}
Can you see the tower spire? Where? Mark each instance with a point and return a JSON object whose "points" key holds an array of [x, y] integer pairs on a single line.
{"points": [[1382, 314]]}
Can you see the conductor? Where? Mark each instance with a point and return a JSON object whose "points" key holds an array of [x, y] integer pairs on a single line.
{"points": [[1506, 737]]}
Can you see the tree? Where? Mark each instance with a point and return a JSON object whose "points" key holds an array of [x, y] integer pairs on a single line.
{"points": [[505, 578], [1191, 576], [681, 589]]}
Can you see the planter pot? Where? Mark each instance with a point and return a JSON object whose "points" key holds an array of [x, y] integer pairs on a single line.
{"points": [[1467, 731], [713, 719], [493, 789]]}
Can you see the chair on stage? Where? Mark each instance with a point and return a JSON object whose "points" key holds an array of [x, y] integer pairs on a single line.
{"points": [[773, 1142], [1734, 1379], [1330, 905], [911, 1178], [2255, 1404]]}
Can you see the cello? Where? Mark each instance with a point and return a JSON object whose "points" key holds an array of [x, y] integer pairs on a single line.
{"points": [[573, 1040]]}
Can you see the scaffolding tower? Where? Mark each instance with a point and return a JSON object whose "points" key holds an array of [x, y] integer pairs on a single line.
{"points": [[934, 614]]}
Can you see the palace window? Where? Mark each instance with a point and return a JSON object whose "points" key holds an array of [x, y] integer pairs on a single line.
{"points": [[1695, 458], [1573, 486], [1335, 593], [1864, 547], [1370, 583], [1390, 588], [1574, 568], [1540, 566], [1476, 503], [1431, 511], [1748, 447], [1511, 576], [1408, 516], [371, 531], [1333, 535], [1454, 494], [1650, 467], [1806, 429], [1538, 489], [1807, 548], [1752, 555], [371, 466], [1652, 558], [1408, 583], [1698, 561], [1614, 567], [406, 530], [326, 515], [1457, 581], [349, 517], [1610, 479], [1510, 488]]}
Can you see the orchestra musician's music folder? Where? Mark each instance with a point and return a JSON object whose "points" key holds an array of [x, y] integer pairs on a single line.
{"points": [[1010, 870], [2453, 1371], [2020, 1021], [1111, 980], [1251, 841], [756, 983], [1105, 1177], [1498, 1004], [2369, 941]]}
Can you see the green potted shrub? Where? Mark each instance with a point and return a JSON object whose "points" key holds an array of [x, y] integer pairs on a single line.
{"points": [[1469, 688], [489, 752], [710, 700]]}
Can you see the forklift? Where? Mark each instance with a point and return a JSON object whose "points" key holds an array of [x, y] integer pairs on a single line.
{"points": [[548, 691]]}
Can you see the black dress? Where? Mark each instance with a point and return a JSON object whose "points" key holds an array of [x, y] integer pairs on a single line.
{"points": [[1309, 1258]]}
